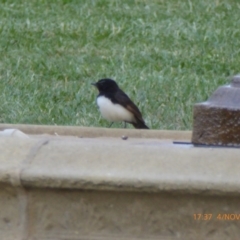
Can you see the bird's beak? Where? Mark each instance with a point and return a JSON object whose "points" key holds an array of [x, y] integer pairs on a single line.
{"points": [[94, 84]]}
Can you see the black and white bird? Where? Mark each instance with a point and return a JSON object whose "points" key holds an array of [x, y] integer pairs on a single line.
{"points": [[116, 106]]}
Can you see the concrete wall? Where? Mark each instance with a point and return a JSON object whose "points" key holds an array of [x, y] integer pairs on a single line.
{"points": [[88, 183]]}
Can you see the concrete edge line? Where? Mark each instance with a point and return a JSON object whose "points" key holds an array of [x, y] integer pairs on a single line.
{"points": [[92, 132], [197, 189], [20, 188]]}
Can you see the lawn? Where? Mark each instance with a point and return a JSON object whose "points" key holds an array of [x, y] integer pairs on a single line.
{"points": [[166, 55]]}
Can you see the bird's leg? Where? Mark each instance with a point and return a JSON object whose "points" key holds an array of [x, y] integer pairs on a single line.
{"points": [[110, 124], [125, 124]]}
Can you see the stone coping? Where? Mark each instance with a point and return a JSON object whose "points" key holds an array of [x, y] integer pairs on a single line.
{"points": [[92, 132], [94, 158]]}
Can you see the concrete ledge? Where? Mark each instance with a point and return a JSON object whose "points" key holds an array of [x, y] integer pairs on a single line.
{"points": [[112, 164], [92, 186], [89, 132]]}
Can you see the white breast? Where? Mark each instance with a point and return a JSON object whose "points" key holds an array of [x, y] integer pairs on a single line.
{"points": [[113, 112]]}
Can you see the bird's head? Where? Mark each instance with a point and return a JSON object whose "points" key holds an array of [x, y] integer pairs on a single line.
{"points": [[106, 85]]}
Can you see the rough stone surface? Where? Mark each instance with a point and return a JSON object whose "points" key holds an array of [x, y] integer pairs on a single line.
{"points": [[95, 188], [97, 132], [217, 121], [121, 215], [135, 164], [11, 213]]}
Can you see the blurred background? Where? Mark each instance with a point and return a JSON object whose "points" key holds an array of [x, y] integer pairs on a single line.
{"points": [[166, 55]]}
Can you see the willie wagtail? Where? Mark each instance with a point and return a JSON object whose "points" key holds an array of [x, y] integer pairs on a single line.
{"points": [[116, 106]]}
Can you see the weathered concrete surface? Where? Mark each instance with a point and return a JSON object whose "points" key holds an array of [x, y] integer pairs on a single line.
{"points": [[113, 163], [12, 213], [135, 164], [129, 215], [97, 132], [107, 188]]}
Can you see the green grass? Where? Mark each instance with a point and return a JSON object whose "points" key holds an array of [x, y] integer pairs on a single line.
{"points": [[167, 55]]}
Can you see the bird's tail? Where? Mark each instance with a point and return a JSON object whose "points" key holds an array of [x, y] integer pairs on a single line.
{"points": [[140, 125]]}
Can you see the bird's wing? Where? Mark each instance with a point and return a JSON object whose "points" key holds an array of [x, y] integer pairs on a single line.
{"points": [[123, 99]]}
